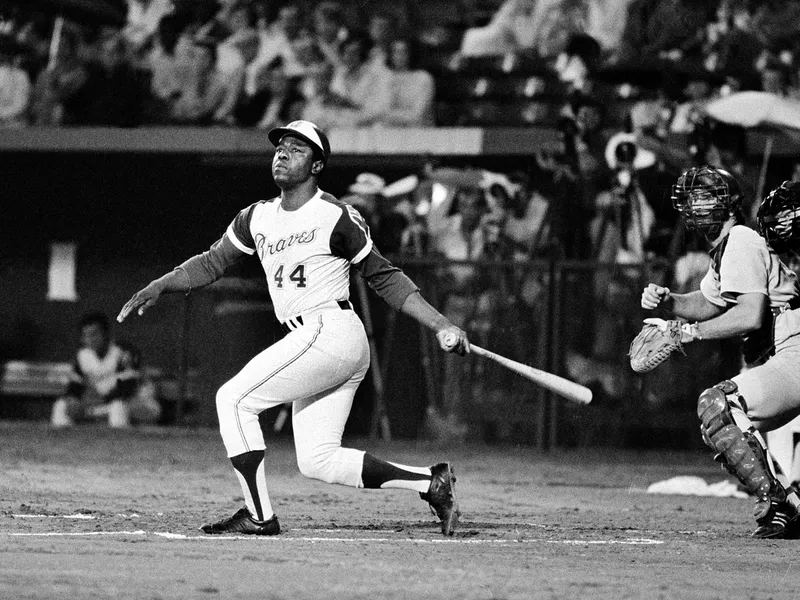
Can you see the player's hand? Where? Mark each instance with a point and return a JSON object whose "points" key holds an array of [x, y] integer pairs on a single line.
{"points": [[141, 300], [653, 295], [453, 339]]}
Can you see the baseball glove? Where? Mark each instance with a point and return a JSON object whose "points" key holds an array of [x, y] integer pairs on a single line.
{"points": [[654, 344]]}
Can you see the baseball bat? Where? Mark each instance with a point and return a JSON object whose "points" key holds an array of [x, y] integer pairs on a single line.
{"points": [[561, 386]]}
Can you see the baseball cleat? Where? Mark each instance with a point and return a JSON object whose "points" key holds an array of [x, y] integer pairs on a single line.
{"points": [[243, 522], [781, 522], [441, 496]]}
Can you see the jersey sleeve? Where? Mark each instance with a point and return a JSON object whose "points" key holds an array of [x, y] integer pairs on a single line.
{"points": [[744, 265], [239, 232], [350, 237]]}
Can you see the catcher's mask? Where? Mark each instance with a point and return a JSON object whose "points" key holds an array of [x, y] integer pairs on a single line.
{"points": [[778, 218], [706, 197]]}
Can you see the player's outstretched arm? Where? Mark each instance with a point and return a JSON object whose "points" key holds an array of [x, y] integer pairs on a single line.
{"points": [[199, 271]]}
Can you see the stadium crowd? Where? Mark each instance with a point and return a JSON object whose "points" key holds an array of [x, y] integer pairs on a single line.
{"points": [[252, 63]]}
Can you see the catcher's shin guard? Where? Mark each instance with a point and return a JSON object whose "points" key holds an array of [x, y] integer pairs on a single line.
{"points": [[739, 451]]}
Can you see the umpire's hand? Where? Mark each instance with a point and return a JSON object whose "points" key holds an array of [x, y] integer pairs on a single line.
{"points": [[141, 300]]}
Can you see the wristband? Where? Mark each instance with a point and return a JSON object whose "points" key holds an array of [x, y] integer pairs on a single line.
{"points": [[692, 330]]}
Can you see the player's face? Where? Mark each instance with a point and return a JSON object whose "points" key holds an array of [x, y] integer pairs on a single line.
{"points": [[94, 337], [293, 162]]}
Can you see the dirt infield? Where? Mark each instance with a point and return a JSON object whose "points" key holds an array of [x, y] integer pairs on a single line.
{"points": [[88, 513]]}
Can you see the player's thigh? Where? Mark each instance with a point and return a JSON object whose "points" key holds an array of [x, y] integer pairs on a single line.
{"points": [[772, 390], [304, 364]]}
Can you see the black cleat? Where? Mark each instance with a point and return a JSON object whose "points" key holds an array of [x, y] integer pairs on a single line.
{"points": [[243, 522], [781, 522], [441, 496]]}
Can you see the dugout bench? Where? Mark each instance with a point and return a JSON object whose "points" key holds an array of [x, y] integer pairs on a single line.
{"points": [[29, 388]]}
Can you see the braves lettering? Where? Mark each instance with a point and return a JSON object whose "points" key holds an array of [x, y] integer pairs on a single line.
{"points": [[265, 247]]}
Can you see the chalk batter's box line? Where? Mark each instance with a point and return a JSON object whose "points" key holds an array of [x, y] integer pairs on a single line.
{"points": [[314, 540]]}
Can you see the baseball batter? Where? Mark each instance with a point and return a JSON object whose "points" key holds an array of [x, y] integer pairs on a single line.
{"points": [[747, 291], [306, 241]]}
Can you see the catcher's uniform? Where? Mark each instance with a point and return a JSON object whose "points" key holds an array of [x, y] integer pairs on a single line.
{"points": [[306, 255], [742, 263]]}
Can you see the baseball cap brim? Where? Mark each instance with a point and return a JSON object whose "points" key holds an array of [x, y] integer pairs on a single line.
{"points": [[306, 131]]}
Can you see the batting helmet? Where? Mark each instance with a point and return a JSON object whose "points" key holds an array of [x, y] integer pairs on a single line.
{"points": [[307, 131], [778, 217], [706, 197]]}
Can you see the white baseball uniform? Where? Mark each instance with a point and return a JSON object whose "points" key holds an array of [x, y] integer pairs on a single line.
{"points": [[742, 263]]}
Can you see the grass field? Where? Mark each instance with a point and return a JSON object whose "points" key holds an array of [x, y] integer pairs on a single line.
{"points": [[90, 513]]}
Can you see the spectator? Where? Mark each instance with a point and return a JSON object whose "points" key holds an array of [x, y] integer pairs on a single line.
{"points": [[330, 30], [142, 22], [730, 46], [57, 87], [203, 92], [167, 68], [662, 29], [359, 93], [413, 89], [512, 29], [15, 85], [105, 383], [113, 93], [455, 227], [233, 57], [561, 20], [382, 31], [275, 40], [271, 102], [776, 23]]}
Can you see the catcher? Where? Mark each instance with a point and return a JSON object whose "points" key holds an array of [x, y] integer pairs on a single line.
{"points": [[748, 291]]}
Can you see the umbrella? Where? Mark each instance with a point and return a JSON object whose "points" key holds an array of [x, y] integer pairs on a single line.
{"points": [[758, 111]]}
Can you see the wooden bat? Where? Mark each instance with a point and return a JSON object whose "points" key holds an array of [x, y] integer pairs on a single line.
{"points": [[561, 386]]}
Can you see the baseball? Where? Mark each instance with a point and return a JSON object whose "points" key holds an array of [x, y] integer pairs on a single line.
{"points": [[450, 340]]}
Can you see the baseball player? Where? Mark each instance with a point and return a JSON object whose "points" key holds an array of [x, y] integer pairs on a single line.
{"points": [[306, 241], [104, 382], [747, 291]]}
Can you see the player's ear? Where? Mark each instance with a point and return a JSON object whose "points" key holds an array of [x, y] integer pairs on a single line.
{"points": [[316, 167]]}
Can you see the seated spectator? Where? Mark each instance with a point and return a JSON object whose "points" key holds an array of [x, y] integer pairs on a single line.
{"points": [[57, 87], [167, 68], [15, 85], [142, 22], [776, 22], [105, 383], [272, 101], [275, 40], [233, 56], [730, 46], [359, 94], [560, 21], [413, 89], [113, 93], [512, 29], [329, 30], [662, 29], [203, 92], [381, 29]]}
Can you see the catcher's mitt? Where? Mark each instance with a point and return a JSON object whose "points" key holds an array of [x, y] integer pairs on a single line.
{"points": [[654, 343]]}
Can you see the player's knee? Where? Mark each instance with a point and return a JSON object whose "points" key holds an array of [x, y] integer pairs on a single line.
{"points": [[317, 464], [714, 407], [225, 397]]}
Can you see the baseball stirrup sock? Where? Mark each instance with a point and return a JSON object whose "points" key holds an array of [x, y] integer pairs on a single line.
{"points": [[378, 473], [249, 469]]}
